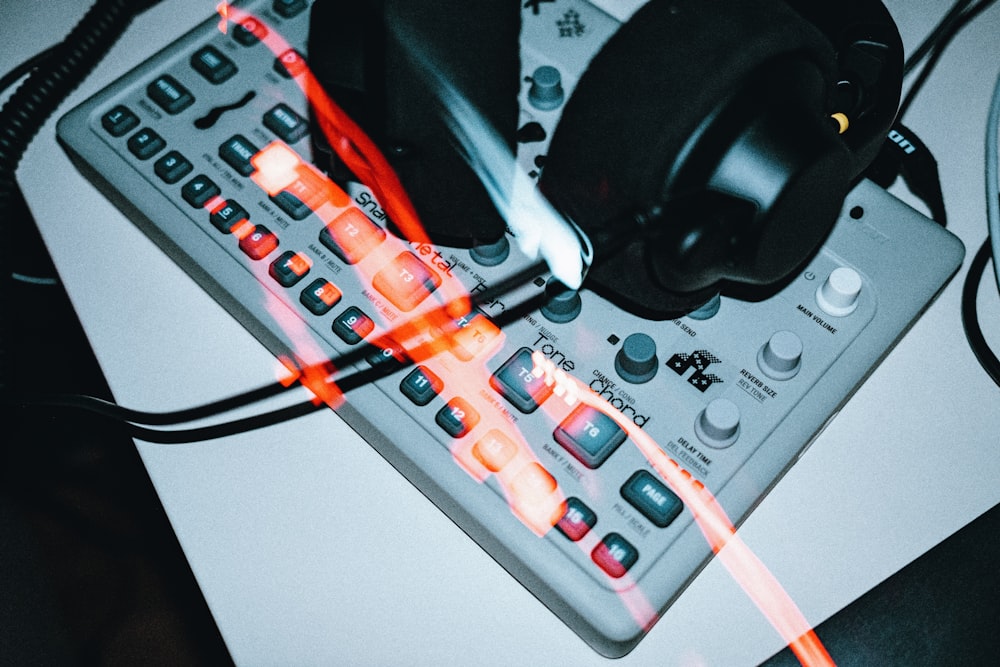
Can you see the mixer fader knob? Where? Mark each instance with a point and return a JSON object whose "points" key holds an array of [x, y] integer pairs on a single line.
{"points": [[636, 361], [718, 425]]}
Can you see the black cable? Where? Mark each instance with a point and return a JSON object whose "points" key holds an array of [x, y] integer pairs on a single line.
{"points": [[932, 39], [26, 67], [970, 314], [24, 113], [137, 421], [938, 47]]}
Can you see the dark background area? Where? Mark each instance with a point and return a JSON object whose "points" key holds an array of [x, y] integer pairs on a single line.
{"points": [[91, 571]]}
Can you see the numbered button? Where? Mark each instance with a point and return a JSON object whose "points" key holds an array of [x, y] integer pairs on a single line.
{"points": [[289, 268], [227, 216], [145, 143], [119, 121], [457, 418], [172, 167], [259, 243], [199, 191], [320, 296], [352, 325], [421, 385], [589, 435], [495, 450], [577, 521], [615, 555]]}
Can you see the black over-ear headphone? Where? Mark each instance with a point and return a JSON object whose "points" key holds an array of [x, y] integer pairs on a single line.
{"points": [[708, 142]]}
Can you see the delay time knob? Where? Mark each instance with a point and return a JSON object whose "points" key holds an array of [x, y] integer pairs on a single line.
{"points": [[636, 361], [718, 425]]}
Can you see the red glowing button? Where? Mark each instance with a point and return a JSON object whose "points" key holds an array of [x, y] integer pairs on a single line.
{"points": [[258, 243], [351, 236], [289, 268], [320, 296], [577, 521], [495, 450], [406, 281], [352, 326], [615, 555]]}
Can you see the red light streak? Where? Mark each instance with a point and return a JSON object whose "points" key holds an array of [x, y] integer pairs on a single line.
{"points": [[531, 492]]}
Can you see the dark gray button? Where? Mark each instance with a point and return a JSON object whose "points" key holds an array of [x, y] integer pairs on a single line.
{"points": [[589, 435], [169, 94], [546, 90], [636, 361], [515, 382], [562, 305], [652, 497]]}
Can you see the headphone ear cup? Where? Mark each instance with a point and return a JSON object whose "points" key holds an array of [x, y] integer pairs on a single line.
{"points": [[664, 99]]}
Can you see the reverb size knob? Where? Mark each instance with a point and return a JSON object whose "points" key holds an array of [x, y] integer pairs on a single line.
{"points": [[839, 293], [636, 361], [718, 425], [781, 356]]}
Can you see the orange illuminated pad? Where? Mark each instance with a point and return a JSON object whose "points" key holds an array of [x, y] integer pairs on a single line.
{"points": [[474, 335], [495, 450], [406, 281], [351, 236]]}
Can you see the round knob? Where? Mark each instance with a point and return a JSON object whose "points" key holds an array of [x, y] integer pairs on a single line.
{"points": [[718, 425], [636, 361], [546, 92], [491, 254], [781, 357], [563, 304], [708, 310], [838, 295]]}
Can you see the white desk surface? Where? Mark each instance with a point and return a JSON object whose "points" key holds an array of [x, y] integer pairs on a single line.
{"points": [[310, 549]]}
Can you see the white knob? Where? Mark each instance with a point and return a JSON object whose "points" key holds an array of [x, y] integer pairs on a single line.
{"points": [[718, 425], [781, 357], [838, 295]]}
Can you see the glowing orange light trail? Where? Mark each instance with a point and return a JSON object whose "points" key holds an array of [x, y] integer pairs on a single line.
{"points": [[741, 562], [522, 479]]}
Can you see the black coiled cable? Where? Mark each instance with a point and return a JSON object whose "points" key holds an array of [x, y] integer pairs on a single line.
{"points": [[21, 118]]}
